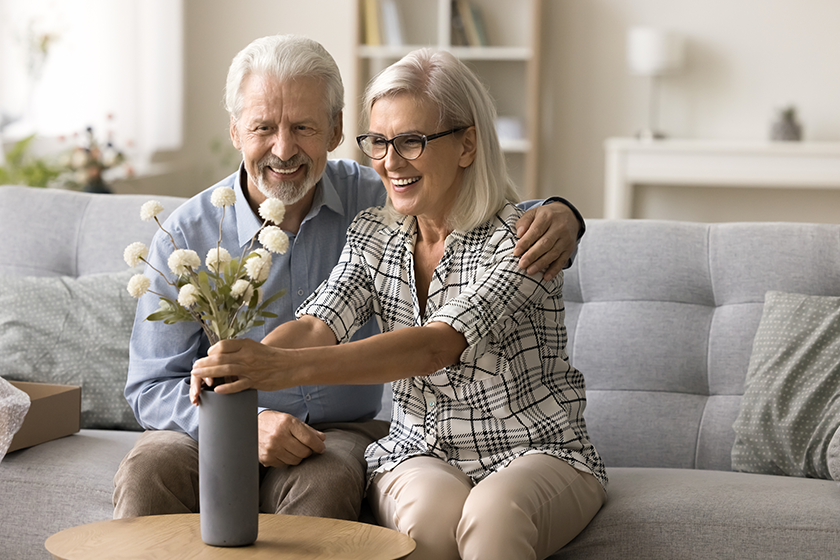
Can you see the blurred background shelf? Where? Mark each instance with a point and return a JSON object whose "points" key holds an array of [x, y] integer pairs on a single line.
{"points": [[503, 50]]}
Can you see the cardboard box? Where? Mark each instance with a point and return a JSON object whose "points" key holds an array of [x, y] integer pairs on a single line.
{"points": [[54, 412]]}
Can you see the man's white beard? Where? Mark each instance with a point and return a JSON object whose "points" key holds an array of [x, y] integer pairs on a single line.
{"points": [[288, 192]]}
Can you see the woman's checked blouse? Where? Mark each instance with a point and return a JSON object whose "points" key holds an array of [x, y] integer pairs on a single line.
{"points": [[512, 393]]}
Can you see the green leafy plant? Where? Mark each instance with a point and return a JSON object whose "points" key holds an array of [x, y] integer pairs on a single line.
{"points": [[22, 168]]}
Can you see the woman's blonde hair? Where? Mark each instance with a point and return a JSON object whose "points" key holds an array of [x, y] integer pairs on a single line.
{"points": [[462, 100]]}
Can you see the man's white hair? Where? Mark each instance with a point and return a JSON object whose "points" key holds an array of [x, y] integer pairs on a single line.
{"points": [[284, 57]]}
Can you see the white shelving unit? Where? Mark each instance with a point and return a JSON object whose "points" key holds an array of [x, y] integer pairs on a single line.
{"points": [[508, 65]]}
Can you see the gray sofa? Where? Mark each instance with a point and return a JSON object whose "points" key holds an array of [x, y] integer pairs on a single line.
{"points": [[661, 317]]}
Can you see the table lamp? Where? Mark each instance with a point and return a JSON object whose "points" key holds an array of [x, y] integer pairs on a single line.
{"points": [[653, 53]]}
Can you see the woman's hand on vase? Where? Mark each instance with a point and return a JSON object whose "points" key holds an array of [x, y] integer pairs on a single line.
{"points": [[235, 365]]}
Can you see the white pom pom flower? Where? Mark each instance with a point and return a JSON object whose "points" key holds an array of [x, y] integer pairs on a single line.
{"points": [[273, 210], [188, 295], [274, 239], [223, 196], [239, 288], [259, 265], [217, 259], [181, 261], [134, 252], [150, 209], [138, 285]]}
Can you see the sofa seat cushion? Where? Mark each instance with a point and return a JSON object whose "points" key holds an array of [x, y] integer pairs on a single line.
{"points": [[57, 485], [714, 513]]}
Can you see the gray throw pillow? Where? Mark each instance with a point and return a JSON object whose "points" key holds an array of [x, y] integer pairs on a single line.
{"points": [[791, 406], [71, 331], [834, 456]]}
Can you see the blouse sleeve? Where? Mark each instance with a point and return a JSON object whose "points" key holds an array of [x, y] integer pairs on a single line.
{"points": [[491, 309], [344, 301]]}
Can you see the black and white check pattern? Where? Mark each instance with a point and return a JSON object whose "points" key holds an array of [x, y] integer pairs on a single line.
{"points": [[512, 393]]}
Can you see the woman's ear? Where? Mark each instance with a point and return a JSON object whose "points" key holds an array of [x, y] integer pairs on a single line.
{"points": [[469, 147]]}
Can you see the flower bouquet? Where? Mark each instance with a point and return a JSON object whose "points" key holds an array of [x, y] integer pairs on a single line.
{"points": [[225, 299]]}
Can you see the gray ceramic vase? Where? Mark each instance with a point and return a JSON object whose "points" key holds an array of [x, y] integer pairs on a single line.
{"points": [[228, 468], [786, 127]]}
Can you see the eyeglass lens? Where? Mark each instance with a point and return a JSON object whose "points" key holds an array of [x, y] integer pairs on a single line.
{"points": [[408, 146]]}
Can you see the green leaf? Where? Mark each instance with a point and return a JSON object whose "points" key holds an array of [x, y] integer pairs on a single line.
{"points": [[203, 282], [158, 316], [273, 298]]}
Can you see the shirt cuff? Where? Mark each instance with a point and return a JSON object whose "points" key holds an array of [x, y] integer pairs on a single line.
{"points": [[574, 210]]}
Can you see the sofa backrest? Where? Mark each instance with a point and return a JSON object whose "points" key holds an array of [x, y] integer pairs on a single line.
{"points": [[660, 315], [661, 318], [51, 232]]}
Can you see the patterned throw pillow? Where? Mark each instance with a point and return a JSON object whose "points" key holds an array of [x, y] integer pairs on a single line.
{"points": [[791, 404], [71, 331], [834, 456]]}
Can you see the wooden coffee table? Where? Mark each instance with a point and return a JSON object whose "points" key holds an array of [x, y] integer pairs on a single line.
{"points": [[289, 537]]}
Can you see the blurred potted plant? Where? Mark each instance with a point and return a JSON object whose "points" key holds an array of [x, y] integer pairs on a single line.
{"points": [[86, 162], [22, 168]]}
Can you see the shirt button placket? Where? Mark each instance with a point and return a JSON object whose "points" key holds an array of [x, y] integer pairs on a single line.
{"points": [[431, 423]]}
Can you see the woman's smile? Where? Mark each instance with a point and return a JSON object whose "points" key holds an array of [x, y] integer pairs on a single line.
{"points": [[402, 184]]}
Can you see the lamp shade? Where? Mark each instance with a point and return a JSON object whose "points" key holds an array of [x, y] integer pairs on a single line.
{"points": [[651, 51]]}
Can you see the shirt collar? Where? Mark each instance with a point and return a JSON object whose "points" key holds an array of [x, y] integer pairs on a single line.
{"points": [[473, 240], [247, 222], [325, 195]]}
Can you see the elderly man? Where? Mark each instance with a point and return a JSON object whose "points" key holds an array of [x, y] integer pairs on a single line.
{"points": [[285, 99]]}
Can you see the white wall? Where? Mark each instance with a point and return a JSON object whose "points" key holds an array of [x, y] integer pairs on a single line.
{"points": [[745, 59], [70, 64]]}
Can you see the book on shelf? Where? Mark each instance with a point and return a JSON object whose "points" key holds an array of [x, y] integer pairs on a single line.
{"points": [[468, 27], [480, 28], [392, 31], [373, 35], [458, 33], [383, 23]]}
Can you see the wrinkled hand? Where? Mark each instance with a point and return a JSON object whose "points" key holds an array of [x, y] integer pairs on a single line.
{"points": [[247, 362], [547, 239], [286, 440]]}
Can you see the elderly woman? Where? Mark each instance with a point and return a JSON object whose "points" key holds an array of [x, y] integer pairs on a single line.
{"points": [[488, 454]]}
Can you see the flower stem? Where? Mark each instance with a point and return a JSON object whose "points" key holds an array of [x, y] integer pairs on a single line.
{"points": [[253, 239], [158, 271], [172, 239]]}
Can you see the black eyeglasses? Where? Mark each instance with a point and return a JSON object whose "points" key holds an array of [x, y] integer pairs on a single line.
{"points": [[408, 145]]}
